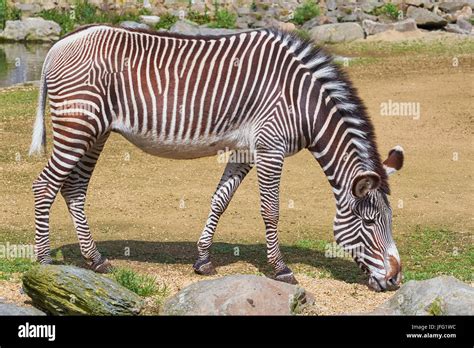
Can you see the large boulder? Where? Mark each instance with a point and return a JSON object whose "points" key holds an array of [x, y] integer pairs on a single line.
{"points": [[69, 290], [444, 295], [451, 6], [13, 309], [426, 19], [338, 32], [31, 29], [238, 295], [372, 28], [189, 28]]}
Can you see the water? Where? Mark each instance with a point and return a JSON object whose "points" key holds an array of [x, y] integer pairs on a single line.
{"points": [[20, 63]]}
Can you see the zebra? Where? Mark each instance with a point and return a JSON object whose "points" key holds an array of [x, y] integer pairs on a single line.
{"points": [[263, 91]]}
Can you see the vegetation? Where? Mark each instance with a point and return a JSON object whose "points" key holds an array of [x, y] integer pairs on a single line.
{"points": [[390, 10], [10, 266], [223, 19], [306, 11], [167, 20], [85, 13], [8, 13], [141, 284]]}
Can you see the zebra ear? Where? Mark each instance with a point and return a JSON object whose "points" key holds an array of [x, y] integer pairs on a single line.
{"points": [[365, 182], [394, 161]]}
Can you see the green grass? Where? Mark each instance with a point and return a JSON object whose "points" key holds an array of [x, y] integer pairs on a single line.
{"points": [[306, 11], [167, 20], [8, 267], [141, 284], [390, 10], [430, 252], [223, 19], [381, 49]]}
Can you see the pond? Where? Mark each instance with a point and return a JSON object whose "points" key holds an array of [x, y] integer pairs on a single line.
{"points": [[20, 63]]}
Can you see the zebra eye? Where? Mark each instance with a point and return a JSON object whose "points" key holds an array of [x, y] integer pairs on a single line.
{"points": [[369, 221]]}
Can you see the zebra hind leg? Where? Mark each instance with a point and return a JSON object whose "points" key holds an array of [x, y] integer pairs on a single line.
{"points": [[269, 167], [233, 175], [66, 153], [74, 193]]}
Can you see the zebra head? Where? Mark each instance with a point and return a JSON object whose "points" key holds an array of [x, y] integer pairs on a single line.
{"points": [[363, 226]]}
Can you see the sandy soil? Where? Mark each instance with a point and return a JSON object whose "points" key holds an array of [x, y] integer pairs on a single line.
{"points": [[136, 201]]}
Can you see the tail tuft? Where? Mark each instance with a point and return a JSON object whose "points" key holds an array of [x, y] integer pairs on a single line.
{"points": [[38, 141]]}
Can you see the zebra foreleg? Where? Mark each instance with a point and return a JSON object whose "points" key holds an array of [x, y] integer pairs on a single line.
{"points": [[269, 168], [233, 175], [74, 192]]}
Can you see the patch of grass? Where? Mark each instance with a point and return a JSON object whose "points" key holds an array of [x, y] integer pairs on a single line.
{"points": [[9, 266], [8, 13], [199, 18], [223, 19], [390, 10], [306, 11], [430, 252], [418, 47], [167, 20], [84, 12], [141, 284], [435, 307], [310, 244]]}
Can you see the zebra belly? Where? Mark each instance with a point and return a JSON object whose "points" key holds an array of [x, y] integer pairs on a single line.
{"points": [[186, 149]]}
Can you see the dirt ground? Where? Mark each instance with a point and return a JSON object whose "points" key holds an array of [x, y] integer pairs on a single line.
{"points": [[156, 208]]}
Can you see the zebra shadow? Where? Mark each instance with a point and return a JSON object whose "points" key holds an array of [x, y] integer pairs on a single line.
{"points": [[222, 254]]}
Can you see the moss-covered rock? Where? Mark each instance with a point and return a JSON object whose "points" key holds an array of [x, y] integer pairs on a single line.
{"points": [[69, 290]]}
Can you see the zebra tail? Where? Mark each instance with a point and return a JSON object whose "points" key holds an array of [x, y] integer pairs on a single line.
{"points": [[38, 142]]}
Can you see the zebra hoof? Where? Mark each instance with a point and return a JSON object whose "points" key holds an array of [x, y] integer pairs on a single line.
{"points": [[45, 260], [101, 266], [204, 267], [286, 276]]}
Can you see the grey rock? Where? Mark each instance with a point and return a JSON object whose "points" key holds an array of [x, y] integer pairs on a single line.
{"points": [[372, 28], [243, 11], [150, 20], [13, 309], [420, 3], [134, 25], [320, 20], [464, 24], [190, 28], [451, 6], [369, 6], [238, 295], [185, 27], [444, 295], [338, 32], [31, 29], [426, 19], [331, 5]]}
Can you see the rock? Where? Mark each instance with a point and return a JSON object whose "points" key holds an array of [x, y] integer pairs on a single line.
{"points": [[420, 3], [134, 25], [238, 295], [150, 20], [444, 295], [371, 27], [464, 13], [426, 19], [13, 309], [185, 27], [338, 32], [69, 290], [31, 29], [454, 28], [331, 5], [464, 25], [370, 5], [451, 6], [243, 11], [319, 20]]}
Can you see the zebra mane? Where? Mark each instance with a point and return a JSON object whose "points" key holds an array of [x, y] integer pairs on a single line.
{"points": [[342, 93]]}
